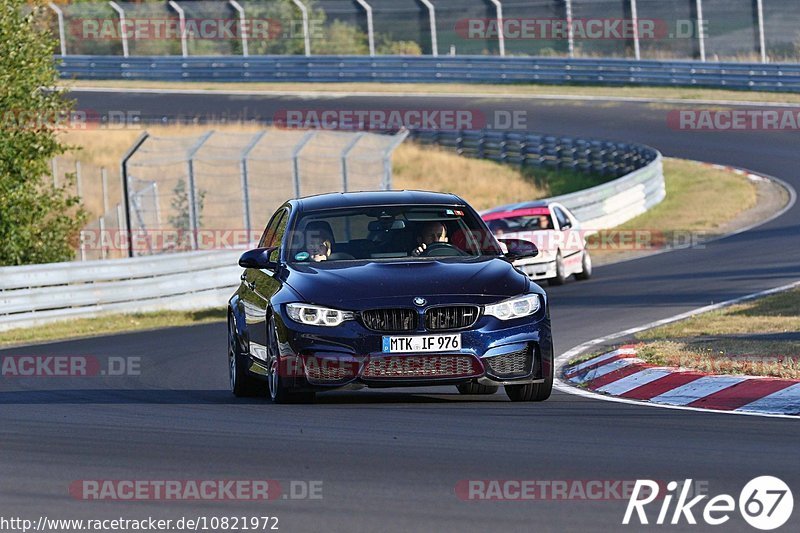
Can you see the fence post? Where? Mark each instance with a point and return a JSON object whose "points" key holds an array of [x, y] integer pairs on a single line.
{"points": [[104, 184], [245, 179], [306, 38], [78, 185], [194, 216], [346, 152], [182, 21], [123, 31], [125, 192], [701, 38], [102, 221], [434, 31], [387, 158], [637, 53], [296, 160], [54, 167], [761, 38], [61, 37], [242, 25], [370, 27], [501, 30], [570, 30]]}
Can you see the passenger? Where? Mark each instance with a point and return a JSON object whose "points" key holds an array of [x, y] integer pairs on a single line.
{"points": [[544, 222], [319, 240], [431, 233]]}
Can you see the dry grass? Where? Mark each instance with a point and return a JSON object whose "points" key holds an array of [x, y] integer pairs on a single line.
{"points": [[781, 359], [678, 93], [754, 337], [108, 324], [483, 184]]}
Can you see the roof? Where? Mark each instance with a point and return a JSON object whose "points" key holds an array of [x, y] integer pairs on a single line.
{"points": [[373, 198], [513, 207]]}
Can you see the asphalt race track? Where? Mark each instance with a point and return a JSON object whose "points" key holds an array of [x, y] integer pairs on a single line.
{"points": [[388, 460]]}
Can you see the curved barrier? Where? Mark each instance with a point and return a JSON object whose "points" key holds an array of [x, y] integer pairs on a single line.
{"points": [[425, 69], [37, 294]]}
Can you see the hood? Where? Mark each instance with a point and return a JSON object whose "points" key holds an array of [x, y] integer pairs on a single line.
{"points": [[392, 283]]}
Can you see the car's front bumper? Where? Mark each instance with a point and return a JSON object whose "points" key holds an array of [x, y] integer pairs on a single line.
{"points": [[493, 352], [538, 270]]}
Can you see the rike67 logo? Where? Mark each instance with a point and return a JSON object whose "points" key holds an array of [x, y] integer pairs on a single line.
{"points": [[765, 503]]}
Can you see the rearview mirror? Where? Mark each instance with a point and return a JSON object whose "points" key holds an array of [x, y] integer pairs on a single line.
{"points": [[519, 249], [258, 258], [386, 225]]}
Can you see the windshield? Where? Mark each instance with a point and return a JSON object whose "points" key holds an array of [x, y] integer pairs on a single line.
{"points": [[516, 224], [390, 233]]}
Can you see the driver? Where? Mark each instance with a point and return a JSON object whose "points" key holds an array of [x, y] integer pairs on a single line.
{"points": [[319, 240], [431, 233]]}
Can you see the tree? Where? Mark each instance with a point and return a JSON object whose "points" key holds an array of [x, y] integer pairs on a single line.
{"points": [[39, 223]]}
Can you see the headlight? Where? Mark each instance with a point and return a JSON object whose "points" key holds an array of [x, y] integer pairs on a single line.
{"points": [[515, 307], [314, 315]]}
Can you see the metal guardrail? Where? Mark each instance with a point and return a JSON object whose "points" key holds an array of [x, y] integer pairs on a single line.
{"points": [[38, 294], [783, 77], [639, 169]]}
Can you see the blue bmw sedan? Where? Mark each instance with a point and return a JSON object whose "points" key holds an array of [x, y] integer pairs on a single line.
{"points": [[386, 289]]}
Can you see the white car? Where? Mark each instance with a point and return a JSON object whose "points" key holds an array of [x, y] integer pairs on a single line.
{"points": [[554, 230]]}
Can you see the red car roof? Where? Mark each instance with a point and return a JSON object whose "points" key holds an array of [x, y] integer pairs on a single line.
{"points": [[531, 211]]}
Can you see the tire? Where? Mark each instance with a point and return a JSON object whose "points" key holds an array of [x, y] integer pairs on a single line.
{"points": [[532, 392], [586, 267], [476, 388], [242, 384], [278, 392], [560, 277]]}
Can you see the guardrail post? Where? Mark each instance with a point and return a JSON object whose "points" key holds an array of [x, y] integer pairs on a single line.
{"points": [[242, 25], [370, 28], [125, 191], [701, 38], [501, 30], [306, 37], [637, 53], [387, 158], [434, 31], [345, 153], [245, 179], [182, 21], [296, 160], [61, 37], [194, 216], [123, 30], [761, 38], [570, 30]]}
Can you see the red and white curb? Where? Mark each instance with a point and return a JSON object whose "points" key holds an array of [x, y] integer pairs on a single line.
{"points": [[621, 374]]}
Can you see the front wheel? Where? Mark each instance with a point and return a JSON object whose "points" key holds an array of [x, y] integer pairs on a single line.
{"points": [[476, 388], [586, 264], [278, 391], [560, 277], [242, 384]]}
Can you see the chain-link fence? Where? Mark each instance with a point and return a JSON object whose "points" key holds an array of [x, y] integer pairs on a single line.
{"points": [[217, 190], [724, 30]]}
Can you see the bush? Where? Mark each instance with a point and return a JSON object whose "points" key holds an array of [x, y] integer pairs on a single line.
{"points": [[39, 223]]}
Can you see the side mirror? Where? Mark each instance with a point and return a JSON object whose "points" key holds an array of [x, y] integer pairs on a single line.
{"points": [[519, 249], [258, 258]]}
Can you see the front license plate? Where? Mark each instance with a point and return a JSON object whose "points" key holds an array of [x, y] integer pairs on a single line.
{"points": [[422, 343]]}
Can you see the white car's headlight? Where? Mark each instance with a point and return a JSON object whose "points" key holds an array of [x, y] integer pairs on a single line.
{"points": [[518, 307], [314, 315]]}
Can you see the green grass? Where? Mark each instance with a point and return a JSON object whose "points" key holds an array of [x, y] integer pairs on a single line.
{"points": [[108, 324]]}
